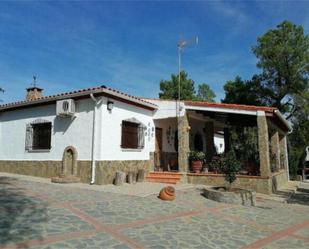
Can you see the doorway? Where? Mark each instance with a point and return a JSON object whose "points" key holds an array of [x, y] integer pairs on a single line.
{"points": [[158, 150]]}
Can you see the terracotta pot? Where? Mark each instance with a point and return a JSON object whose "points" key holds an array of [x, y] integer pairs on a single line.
{"points": [[196, 166], [167, 194]]}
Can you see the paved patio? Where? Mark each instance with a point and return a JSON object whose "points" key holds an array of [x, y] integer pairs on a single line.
{"points": [[34, 214]]}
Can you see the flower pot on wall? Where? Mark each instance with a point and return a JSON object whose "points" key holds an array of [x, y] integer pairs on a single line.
{"points": [[196, 166]]}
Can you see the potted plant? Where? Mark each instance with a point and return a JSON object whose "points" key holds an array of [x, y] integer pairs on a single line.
{"points": [[215, 163], [196, 159]]}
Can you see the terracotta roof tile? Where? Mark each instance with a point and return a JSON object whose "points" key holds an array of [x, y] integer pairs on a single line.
{"points": [[68, 94]]}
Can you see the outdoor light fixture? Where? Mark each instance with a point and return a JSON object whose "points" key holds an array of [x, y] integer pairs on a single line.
{"points": [[110, 105]]}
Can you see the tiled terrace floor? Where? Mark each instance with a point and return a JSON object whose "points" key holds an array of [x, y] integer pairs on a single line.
{"points": [[40, 215]]}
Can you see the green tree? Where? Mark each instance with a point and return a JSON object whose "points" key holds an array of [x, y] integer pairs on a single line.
{"points": [[245, 92], [204, 93], [299, 138], [283, 56], [169, 88], [229, 166]]}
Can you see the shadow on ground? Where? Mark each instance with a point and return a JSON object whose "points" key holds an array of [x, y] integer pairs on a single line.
{"points": [[298, 197], [21, 216]]}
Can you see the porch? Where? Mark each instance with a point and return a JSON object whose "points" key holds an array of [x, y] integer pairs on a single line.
{"points": [[212, 128]]}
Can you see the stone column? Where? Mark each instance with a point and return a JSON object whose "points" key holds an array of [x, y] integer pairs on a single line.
{"points": [[183, 143], [284, 152], [275, 148], [263, 144], [226, 139], [210, 143]]}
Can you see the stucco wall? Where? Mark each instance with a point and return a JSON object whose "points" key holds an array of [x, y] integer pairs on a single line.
{"points": [[166, 108], [164, 124], [75, 132], [198, 126], [110, 144], [65, 131]]}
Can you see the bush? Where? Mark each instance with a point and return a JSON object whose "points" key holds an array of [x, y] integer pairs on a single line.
{"points": [[196, 156], [229, 166]]}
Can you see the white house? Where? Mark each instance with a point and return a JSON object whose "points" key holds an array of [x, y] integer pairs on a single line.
{"points": [[92, 133]]}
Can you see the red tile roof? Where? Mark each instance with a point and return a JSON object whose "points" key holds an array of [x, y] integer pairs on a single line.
{"points": [[80, 92], [231, 106]]}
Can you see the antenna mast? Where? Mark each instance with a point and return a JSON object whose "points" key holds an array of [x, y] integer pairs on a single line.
{"points": [[181, 45]]}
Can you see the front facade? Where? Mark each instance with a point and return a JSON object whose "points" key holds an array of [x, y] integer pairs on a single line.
{"points": [[109, 131]]}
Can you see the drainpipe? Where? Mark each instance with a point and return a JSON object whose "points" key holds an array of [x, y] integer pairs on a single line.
{"points": [[93, 149]]}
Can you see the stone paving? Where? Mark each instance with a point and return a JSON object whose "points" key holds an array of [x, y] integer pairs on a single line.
{"points": [[34, 214]]}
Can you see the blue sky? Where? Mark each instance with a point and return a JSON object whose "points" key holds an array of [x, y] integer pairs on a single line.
{"points": [[131, 46]]}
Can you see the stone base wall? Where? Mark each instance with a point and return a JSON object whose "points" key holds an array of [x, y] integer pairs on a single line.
{"points": [[34, 168], [259, 184], [279, 180], [105, 170]]}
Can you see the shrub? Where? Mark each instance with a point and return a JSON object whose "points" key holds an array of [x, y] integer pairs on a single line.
{"points": [[196, 156], [229, 166]]}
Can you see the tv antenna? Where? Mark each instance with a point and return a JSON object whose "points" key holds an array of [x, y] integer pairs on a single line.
{"points": [[181, 45]]}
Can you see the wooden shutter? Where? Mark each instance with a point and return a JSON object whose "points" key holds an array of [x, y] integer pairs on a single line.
{"points": [[129, 136], [41, 136], [141, 137], [29, 135]]}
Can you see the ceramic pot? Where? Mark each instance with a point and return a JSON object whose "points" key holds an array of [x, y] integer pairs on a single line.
{"points": [[167, 194], [196, 166]]}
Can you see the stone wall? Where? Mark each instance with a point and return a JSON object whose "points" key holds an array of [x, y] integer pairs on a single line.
{"points": [[259, 184], [183, 143], [34, 168], [105, 170], [279, 179]]}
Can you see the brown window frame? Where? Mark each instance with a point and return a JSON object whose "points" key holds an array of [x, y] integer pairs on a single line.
{"points": [[41, 139], [131, 133], [38, 136]]}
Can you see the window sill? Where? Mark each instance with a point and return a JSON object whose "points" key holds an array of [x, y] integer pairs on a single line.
{"points": [[130, 150], [38, 151]]}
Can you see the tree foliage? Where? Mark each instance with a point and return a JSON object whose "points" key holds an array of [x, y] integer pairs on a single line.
{"points": [[283, 57], [204, 93], [240, 91], [169, 89], [229, 166]]}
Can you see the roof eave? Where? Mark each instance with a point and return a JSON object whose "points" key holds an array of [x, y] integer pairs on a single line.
{"points": [[283, 120], [80, 94]]}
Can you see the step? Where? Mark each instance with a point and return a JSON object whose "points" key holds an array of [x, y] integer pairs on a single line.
{"points": [[167, 174], [162, 180], [164, 176]]}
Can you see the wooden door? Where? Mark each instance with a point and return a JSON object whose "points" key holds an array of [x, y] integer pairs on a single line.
{"points": [[158, 149]]}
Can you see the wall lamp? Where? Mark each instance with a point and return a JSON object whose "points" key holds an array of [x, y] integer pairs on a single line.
{"points": [[110, 105]]}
